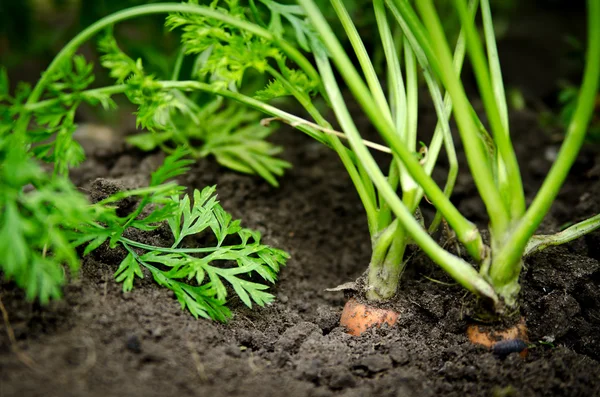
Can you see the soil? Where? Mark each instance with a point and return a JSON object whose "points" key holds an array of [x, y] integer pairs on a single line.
{"points": [[99, 341]]}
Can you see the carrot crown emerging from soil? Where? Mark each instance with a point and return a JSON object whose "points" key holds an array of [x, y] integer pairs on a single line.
{"points": [[294, 46]]}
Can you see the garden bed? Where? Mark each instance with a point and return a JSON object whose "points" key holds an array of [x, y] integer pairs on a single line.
{"points": [[101, 341]]}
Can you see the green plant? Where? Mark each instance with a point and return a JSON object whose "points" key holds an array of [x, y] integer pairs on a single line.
{"points": [[194, 274], [233, 135], [491, 157], [232, 40], [36, 213], [204, 126], [44, 219]]}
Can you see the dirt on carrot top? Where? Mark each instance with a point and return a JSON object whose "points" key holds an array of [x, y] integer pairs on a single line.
{"points": [[100, 341]]}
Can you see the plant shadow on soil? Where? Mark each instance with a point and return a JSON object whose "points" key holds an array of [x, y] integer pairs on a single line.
{"points": [[100, 341]]}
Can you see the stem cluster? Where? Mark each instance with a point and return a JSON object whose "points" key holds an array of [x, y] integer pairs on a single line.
{"points": [[414, 44]]}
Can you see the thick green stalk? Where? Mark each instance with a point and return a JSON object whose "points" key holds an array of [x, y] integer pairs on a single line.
{"points": [[397, 91], [515, 206], [492, 93], [505, 267], [388, 245], [443, 108], [381, 244], [412, 98], [460, 270], [386, 263], [398, 100], [475, 151], [442, 133], [466, 231], [494, 63], [376, 284], [363, 57], [385, 213], [416, 29], [409, 185]]}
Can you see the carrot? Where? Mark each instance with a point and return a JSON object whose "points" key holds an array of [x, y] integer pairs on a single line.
{"points": [[358, 317], [502, 342]]}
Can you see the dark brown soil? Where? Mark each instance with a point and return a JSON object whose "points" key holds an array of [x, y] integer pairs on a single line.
{"points": [[99, 341]]}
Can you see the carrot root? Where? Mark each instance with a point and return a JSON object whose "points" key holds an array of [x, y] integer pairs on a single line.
{"points": [[501, 342], [358, 317]]}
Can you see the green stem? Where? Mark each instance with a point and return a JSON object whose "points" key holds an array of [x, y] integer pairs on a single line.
{"points": [[397, 92], [159, 8], [394, 260], [412, 98], [543, 241], [178, 63], [108, 90], [381, 244], [363, 57], [494, 100], [443, 109], [407, 183], [401, 108], [388, 262], [466, 231], [464, 273], [178, 250], [385, 213], [504, 270], [386, 267], [476, 153], [417, 30]]}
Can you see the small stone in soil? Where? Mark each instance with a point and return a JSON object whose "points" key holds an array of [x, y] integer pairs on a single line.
{"points": [[133, 344], [451, 370]]}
